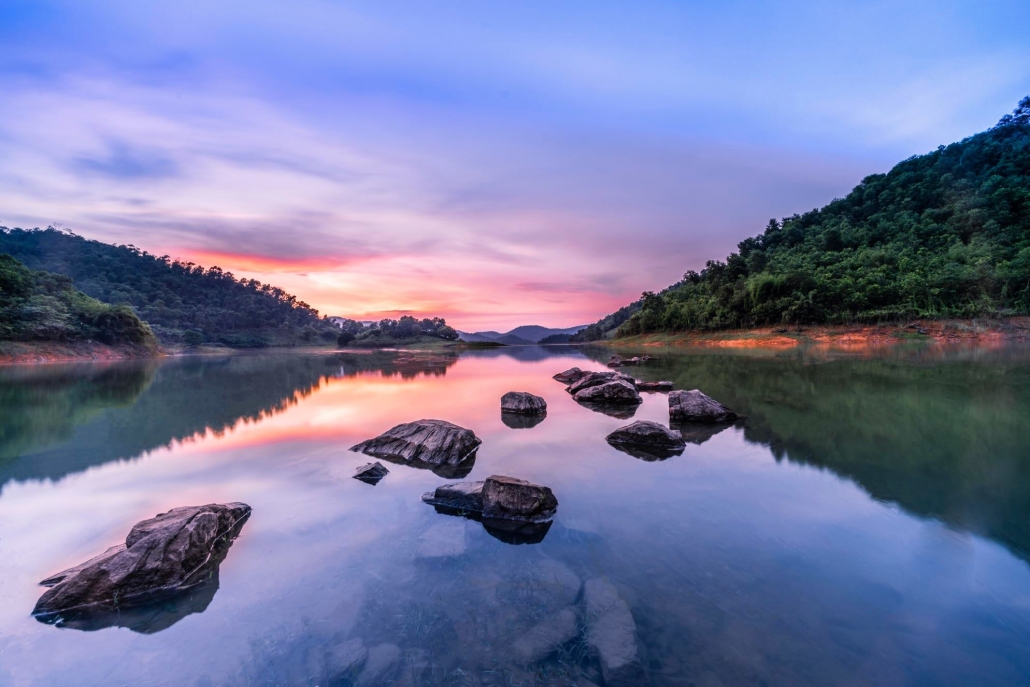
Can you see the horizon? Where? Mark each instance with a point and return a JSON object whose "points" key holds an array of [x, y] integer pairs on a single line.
{"points": [[497, 167]]}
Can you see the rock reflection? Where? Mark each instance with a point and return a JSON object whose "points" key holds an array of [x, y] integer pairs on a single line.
{"points": [[621, 412], [446, 470], [699, 433], [521, 420]]}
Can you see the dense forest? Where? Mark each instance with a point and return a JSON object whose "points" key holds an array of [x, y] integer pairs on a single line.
{"points": [[945, 234], [40, 306], [405, 331], [182, 302]]}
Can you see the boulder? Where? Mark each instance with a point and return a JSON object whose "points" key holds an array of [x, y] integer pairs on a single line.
{"points": [[615, 392], [371, 473], [650, 439], [497, 498], [547, 636], [694, 406], [596, 379], [573, 374], [522, 403], [654, 386], [423, 443], [614, 361], [612, 634], [162, 556]]}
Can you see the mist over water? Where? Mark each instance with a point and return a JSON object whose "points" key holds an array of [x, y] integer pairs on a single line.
{"points": [[867, 523]]}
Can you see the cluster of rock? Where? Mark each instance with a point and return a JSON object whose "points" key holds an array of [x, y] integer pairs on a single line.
{"points": [[161, 557], [522, 410]]}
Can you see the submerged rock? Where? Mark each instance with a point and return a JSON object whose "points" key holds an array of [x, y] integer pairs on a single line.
{"points": [[654, 386], [380, 665], [614, 361], [615, 392], [344, 659], [162, 556], [522, 403], [570, 376], [612, 634], [694, 406], [496, 498], [423, 442], [442, 540], [547, 636], [648, 440], [596, 379], [371, 473], [699, 433]]}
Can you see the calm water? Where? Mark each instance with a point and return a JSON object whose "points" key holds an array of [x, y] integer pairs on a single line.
{"points": [[868, 524]]}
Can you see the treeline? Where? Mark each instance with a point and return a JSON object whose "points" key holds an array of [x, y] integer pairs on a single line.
{"points": [[945, 234], [389, 332], [40, 306], [181, 301]]}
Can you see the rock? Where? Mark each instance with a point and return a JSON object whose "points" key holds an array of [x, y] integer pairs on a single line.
{"points": [[380, 665], [695, 433], [523, 403], [596, 379], [694, 406], [164, 555], [499, 497], [654, 386], [427, 442], [371, 473], [443, 540], [614, 361], [459, 496], [546, 636], [518, 421], [631, 361], [652, 440], [573, 374], [508, 498], [617, 392], [343, 660], [612, 634]]}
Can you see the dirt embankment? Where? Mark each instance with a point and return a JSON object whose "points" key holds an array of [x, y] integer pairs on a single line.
{"points": [[18, 352], [980, 332]]}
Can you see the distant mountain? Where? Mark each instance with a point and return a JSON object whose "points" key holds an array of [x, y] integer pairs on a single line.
{"points": [[526, 334]]}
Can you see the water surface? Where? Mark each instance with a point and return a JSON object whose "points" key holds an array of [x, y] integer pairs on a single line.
{"points": [[868, 524]]}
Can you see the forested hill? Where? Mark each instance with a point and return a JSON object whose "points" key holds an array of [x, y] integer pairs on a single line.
{"points": [[945, 234], [182, 302]]}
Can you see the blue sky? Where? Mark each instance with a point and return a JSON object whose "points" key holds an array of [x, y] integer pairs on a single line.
{"points": [[494, 163]]}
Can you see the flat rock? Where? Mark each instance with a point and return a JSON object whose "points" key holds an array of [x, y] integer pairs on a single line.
{"points": [[444, 539], [432, 442], [649, 438], [496, 498], [380, 665], [615, 392], [164, 555], [596, 379], [523, 403], [457, 496], [694, 406], [612, 634], [371, 473], [571, 375], [547, 636], [654, 386]]}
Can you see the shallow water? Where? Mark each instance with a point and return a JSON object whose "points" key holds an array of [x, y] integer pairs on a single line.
{"points": [[869, 523]]}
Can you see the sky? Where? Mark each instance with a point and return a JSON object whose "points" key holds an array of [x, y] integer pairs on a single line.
{"points": [[492, 163]]}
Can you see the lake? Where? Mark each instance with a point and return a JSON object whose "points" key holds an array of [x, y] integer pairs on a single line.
{"points": [[867, 524]]}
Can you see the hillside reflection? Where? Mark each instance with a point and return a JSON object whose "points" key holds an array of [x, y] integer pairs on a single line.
{"points": [[942, 435], [62, 419]]}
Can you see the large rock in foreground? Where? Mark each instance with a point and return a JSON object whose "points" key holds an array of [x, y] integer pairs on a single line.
{"points": [[694, 406], [166, 554], [522, 403], [612, 634], [570, 376], [496, 498], [615, 392], [427, 442], [647, 440]]}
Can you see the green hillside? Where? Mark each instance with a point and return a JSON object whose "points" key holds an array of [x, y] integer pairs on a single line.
{"points": [[945, 234], [40, 306], [182, 302]]}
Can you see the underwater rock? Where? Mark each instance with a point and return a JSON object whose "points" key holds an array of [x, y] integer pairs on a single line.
{"points": [[612, 634], [547, 636], [570, 376], [616, 392], [431, 442], [596, 379], [652, 440], [380, 665], [371, 473], [699, 433], [498, 497], [344, 659], [162, 556], [523, 403], [443, 540], [694, 406], [654, 386]]}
